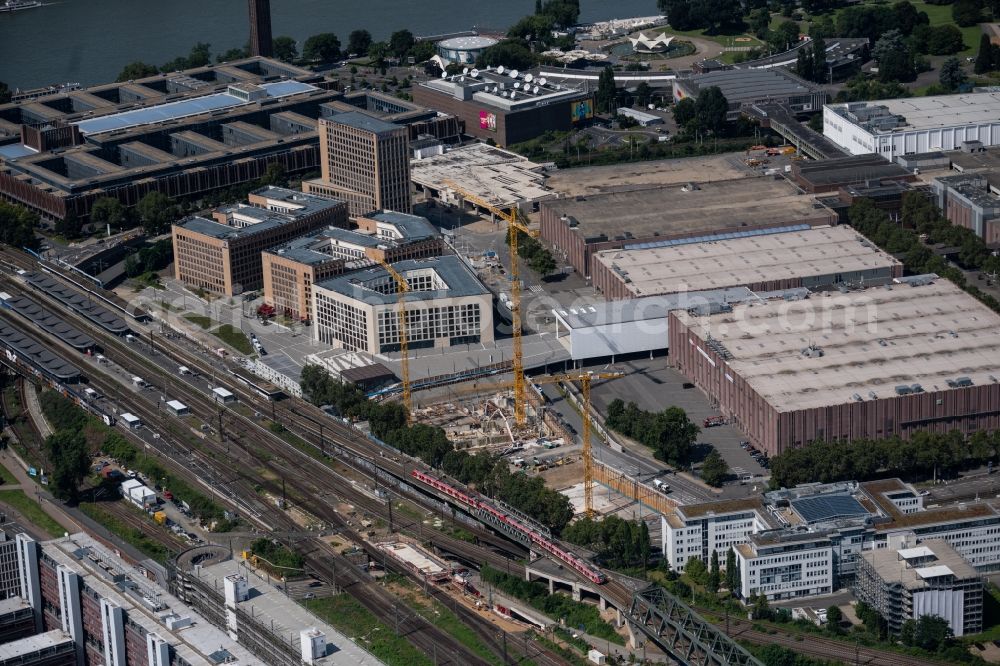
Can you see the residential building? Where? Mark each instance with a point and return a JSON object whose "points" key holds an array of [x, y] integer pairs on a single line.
{"points": [[365, 161], [810, 540], [906, 582], [290, 270], [446, 305], [223, 255]]}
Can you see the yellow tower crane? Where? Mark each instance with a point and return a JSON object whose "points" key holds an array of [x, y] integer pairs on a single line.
{"points": [[514, 226], [404, 344], [585, 379]]}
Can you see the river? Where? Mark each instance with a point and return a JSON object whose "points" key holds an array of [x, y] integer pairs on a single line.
{"points": [[89, 41]]}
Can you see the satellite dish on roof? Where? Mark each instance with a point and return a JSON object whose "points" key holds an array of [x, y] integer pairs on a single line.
{"points": [[474, 73], [514, 73], [461, 78], [528, 77], [517, 84], [465, 70], [444, 75], [541, 81], [504, 93], [499, 69], [513, 94], [535, 90]]}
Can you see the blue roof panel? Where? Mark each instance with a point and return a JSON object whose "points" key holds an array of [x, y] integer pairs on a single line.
{"points": [[184, 108], [15, 150]]}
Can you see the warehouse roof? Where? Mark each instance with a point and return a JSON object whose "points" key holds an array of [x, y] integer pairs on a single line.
{"points": [[838, 348], [944, 560], [748, 85], [723, 263], [676, 209], [937, 111]]}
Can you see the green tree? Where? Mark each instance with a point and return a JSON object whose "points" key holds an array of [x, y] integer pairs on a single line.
{"points": [[928, 632], [967, 13], [714, 469], [69, 226], [400, 43], [275, 175], [358, 42], [423, 51], [952, 75], [822, 27], [324, 47], [696, 570], [156, 211], [868, 21], [714, 576], [984, 59], [711, 109], [643, 94], [834, 616], [236, 53], [284, 48], [680, 13], [5, 93], [786, 36], [17, 226], [760, 22], [200, 55], [820, 74], [377, 53], [907, 16], [685, 112], [137, 70], [108, 210], [804, 64], [67, 453], [943, 40], [509, 53], [607, 92], [896, 66], [718, 15], [731, 571]]}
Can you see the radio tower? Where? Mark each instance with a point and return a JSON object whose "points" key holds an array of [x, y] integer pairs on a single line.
{"points": [[260, 28]]}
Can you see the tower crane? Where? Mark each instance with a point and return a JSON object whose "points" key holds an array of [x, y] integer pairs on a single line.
{"points": [[585, 379], [514, 227], [403, 287]]}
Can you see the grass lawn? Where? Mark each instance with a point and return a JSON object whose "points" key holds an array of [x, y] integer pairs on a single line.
{"points": [[723, 40], [200, 320], [32, 512], [941, 15], [129, 534], [6, 477], [233, 337], [359, 624]]}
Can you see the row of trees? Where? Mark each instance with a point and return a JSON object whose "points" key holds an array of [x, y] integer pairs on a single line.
{"points": [[920, 457], [714, 16], [811, 63], [670, 433], [707, 113], [155, 257], [538, 256], [988, 58], [619, 543], [484, 472]]}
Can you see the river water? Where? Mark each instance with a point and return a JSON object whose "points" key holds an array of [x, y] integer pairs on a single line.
{"points": [[89, 41]]}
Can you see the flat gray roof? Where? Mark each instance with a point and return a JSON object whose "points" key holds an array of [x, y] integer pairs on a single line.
{"points": [[939, 110], [644, 309], [365, 122], [740, 85], [410, 227], [201, 225], [48, 640], [872, 341], [891, 565], [670, 210], [460, 281], [724, 263]]}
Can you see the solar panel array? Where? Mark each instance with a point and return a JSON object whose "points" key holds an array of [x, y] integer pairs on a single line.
{"points": [[718, 237], [828, 507]]}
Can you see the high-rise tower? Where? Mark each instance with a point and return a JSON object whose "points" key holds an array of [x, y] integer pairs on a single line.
{"points": [[260, 28]]}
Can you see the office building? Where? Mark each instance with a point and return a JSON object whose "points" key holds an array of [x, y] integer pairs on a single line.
{"points": [[290, 270], [446, 305], [578, 227], [223, 255], [746, 88], [920, 354], [92, 607], [896, 127], [507, 106], [799, 256], [809, 540], [907, 582], [365, 161], [260, 28], [972, 200]]}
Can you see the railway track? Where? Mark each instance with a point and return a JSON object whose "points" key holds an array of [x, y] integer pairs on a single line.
{"points": [[428, 638], [144, 524]]}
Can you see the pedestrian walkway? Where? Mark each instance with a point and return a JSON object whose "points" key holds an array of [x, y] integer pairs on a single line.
{"points": [[34, 408]]}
